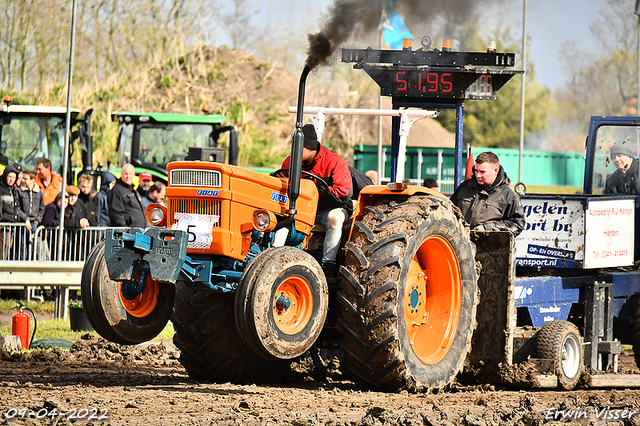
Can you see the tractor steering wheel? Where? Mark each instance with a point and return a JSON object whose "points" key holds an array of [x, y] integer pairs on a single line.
{"points": [[316, 179]]}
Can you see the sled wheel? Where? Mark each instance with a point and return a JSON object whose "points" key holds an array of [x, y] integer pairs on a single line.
{"points": [[114, 317], [210, 348], [409, 295], [560, 341], [281, 303]]}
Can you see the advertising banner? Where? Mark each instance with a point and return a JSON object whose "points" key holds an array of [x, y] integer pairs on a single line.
{"points": [[553, 236], [610, 233], [590, 232]]}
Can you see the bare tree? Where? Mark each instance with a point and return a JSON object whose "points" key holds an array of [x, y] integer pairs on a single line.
{"points": [[113, 36], [602, 83], [237, 21]]}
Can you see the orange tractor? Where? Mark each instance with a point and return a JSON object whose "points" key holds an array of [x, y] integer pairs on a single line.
{"points": [[229, 263]]}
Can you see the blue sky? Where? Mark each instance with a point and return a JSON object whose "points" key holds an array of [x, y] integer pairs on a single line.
{"points": [[549, 24]]}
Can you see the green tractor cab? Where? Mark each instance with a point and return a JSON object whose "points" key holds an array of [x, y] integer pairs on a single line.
{"points": [[150, 141], [29, 132]]}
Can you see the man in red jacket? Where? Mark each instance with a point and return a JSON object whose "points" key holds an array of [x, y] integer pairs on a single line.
{"points": [[334, 205]]}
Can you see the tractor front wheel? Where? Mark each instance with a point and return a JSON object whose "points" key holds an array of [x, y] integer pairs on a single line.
{"points": [[210, 347], [112, 315], [281, 303]]}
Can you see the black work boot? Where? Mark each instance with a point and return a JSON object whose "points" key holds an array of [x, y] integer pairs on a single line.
{"points": [[330, 272]]}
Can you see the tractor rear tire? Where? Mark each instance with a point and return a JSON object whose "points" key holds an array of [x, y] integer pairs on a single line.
{"points": [[128, 322], [210, 347], [560, 341], [281, 303], [409, 295]]}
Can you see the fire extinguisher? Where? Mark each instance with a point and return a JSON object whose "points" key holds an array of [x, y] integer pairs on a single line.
{"points": [[20, 325]]}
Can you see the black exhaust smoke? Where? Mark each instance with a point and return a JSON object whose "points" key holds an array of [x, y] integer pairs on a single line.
{"points": [[348, 17], [345, 17], [362, 17]]}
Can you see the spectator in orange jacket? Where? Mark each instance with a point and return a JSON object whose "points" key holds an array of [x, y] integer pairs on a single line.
{"points": [[47, 180]]}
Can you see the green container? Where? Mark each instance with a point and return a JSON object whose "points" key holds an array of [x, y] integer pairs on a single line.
{"points": [[538, 168]]}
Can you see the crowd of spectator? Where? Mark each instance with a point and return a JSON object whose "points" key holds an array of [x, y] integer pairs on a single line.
{"points": [[34, 198]]}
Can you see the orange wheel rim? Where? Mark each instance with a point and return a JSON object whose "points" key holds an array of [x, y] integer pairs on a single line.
{"points": [[145, 302], [292, 305], [432, 299]]}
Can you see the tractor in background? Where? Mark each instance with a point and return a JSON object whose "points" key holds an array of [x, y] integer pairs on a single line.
{"points": [[151, 140], [29, 132]]}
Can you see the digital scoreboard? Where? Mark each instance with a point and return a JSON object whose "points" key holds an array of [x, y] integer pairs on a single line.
{"points": [[430, 83], [447, 76]]}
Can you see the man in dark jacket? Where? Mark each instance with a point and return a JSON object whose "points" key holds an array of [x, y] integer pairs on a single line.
{"points": [[626, 178], [8, 209], [8, 197], [31, 211], [125, 208], [31, 201], [71, 223], [85, 205], [51, 216], [74, 214], [145, 180], [107, 181], [486, 200], [334, 205]]}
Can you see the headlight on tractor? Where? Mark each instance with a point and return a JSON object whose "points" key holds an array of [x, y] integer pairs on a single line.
{"points": [[264, 220], [157, 214]]}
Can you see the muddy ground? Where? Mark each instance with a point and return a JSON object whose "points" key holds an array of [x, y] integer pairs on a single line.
{"points": [[147, 386]]}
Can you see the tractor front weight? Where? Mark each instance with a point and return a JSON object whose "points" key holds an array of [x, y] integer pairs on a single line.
{"points": [[132, 253]]}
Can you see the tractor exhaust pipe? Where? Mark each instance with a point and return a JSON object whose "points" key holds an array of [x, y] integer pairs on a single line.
{"points": [[295, 164], [297, 140]]}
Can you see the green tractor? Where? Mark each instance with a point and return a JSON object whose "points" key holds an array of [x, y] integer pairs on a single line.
{"points": [[29, 132], [151, 140]]}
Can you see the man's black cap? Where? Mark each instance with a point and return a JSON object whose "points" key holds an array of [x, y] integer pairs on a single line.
{"points": [[310, 137]]}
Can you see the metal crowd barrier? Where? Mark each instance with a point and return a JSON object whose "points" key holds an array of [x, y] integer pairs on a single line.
{"points": [[29, 259], [76, 243], [15, 240], [19, 243]]}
